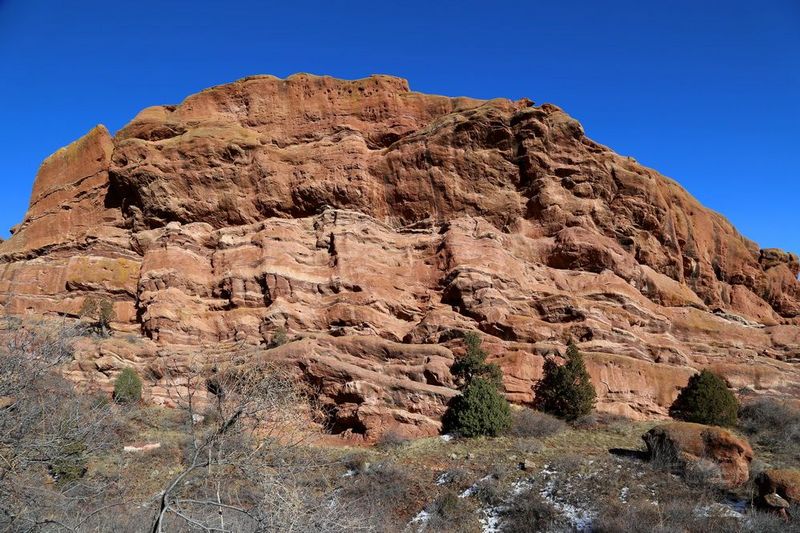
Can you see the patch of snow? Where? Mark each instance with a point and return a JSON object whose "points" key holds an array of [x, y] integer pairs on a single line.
{"points": [[422, 519], [350, 473], [520, 486], [446, 438], [474, 488], [623, 494], [547, 472], [443, 479], [491, 516], [581, 519], [333, 502], [490, 519], [717, 510]]}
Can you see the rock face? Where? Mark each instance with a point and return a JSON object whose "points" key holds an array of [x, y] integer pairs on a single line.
{"points": [[689, 443], [376, 224]]}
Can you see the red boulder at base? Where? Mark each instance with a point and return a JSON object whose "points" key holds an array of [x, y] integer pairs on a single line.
{"points": [[688, 443]]}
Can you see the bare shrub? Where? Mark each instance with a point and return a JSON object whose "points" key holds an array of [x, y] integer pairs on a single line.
{"points": [[357, 462], [775, 425], [383, 490], [247, 469], [703, 473], [528, 446], [392, 439], [48, 433], [760, 521], [530, 423], [590, 421], [633, 517], [457, 477], [664, 457], [682, 513], [569, 463], [530, 512], [451, 513], [489, 492], [100, 313], [597, 420]]}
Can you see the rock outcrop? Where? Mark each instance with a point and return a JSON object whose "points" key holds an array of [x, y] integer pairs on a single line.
{"points": [[687, 444], [783, 482], [375, 224]]}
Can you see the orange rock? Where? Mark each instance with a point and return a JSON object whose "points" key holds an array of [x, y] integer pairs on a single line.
{"points": [[784, 482], [360, 209], [689, 442]]}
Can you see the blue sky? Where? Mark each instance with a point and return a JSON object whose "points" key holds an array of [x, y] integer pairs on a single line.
{"points": [[707, 92]]}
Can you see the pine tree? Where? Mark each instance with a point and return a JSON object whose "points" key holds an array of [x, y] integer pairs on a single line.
{"points": [[565, 391], [706, 399], [473, 363], [480, 409]]}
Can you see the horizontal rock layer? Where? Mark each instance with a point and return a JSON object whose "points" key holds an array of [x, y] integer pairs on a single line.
{"points": [[375, 224]]}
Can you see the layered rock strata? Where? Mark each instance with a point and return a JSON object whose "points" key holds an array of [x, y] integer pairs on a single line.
{"points": [[375, 224]]}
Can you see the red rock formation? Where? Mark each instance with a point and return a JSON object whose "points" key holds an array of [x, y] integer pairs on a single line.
{"points": [[376, 223], [784, 482], [686, 443]]}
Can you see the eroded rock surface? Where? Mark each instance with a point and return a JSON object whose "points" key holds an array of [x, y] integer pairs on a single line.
{"points": [[783, 482], [375, 224], [687, 443]]}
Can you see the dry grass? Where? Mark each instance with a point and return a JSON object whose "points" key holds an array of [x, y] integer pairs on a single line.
{"points": [[773, 427], [543, 475], [534, 424]]}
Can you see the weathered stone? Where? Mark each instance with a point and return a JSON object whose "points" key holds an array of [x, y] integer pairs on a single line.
{"points": [[374, 222], [784, 482], [774, 501], [688, 443]]}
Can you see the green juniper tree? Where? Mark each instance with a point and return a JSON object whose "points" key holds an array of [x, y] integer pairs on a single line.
{"points": [[480, 409], [127, 386], [565, 391], [706, 399], [473, 363]]}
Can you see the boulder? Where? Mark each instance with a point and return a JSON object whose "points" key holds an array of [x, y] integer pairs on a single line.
{"points": [[687, 444], [783, 482], [143, 448]]}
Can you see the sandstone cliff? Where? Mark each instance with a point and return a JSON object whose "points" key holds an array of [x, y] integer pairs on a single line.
{"points": [[375, 224]]}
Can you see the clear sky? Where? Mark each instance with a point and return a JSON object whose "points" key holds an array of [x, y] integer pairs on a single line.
{"points": [[705, 91]]}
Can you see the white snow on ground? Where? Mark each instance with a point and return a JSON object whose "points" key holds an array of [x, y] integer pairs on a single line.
{"points": [[520, 486], [446, 438], [729, 509], [443, 479], [350, 473], [474, 488], [581, 519], [333, 501], [421, 520], [490, 516], [490, 520], [623, 494]]}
